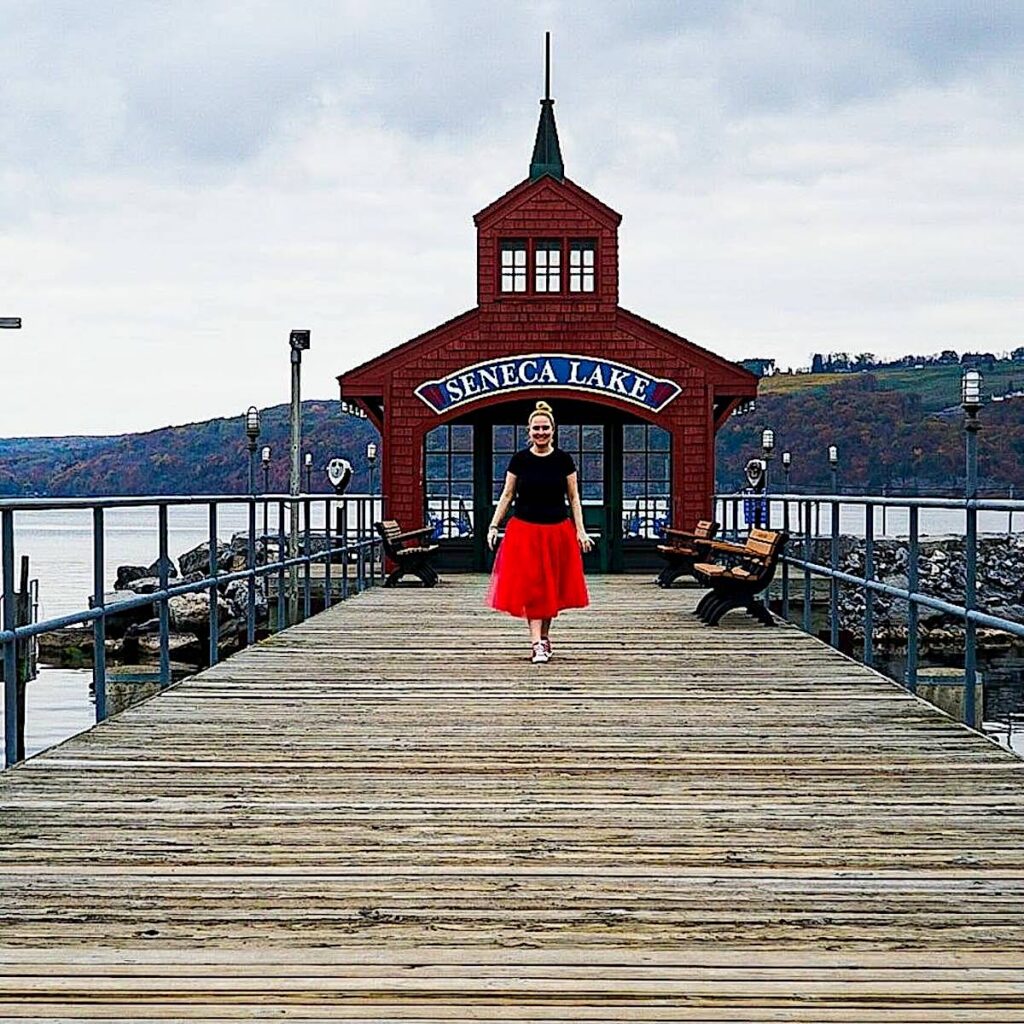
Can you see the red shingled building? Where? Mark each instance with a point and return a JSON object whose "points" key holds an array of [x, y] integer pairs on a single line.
{"points": [[636, 405]]}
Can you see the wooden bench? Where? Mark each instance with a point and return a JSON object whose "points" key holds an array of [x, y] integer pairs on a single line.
{"points": [[739, 574], [682, 549], [410, 552]]}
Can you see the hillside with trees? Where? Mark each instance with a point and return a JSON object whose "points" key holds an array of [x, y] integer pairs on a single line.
{"points": [[210, 457], [897, 428]]}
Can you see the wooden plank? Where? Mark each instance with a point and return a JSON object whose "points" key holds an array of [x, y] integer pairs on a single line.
{"points": [[388, 813]]}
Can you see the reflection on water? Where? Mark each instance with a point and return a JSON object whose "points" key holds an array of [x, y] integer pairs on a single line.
{"points": [[58, 704], [1002, 679]]}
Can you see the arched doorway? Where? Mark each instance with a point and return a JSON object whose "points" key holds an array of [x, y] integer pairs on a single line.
{"points": [[624, 467]]}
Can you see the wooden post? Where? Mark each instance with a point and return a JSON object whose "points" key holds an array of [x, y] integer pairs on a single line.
{"points": [[23, 652]]}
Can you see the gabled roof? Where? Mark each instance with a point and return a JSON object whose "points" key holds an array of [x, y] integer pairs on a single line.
{"points": [[379, 362], [566, 188], [648, 328]]}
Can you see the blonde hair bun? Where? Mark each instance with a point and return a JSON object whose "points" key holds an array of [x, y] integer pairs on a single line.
{"points": [[541, 409]]}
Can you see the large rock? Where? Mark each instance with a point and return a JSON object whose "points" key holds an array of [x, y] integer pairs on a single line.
{"points": [[236, 593], [119, 619], [128, 574], [198, 559], [190, 613]]}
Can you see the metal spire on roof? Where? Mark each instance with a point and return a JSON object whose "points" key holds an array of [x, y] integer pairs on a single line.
{"points": [[547, 155]]}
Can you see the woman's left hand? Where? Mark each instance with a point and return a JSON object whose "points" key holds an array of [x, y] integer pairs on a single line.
{"points": [[586, 544]]}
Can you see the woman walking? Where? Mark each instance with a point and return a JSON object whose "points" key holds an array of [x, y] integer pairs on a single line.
{"points": [[539, 569]]}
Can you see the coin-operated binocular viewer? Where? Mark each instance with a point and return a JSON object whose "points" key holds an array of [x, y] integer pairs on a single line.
{"points": [[339, 473], [755, 504]]}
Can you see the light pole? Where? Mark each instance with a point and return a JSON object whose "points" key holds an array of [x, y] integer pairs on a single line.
{"points": [[787, 460], [970, 399], [265, 459], [252, 432], [833, 462], [371, 460], [298, 342], [308, 463], [768, 450]]}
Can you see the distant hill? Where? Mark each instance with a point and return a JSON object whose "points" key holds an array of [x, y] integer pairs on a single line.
{"points": [[894, 428], [210, 457]]}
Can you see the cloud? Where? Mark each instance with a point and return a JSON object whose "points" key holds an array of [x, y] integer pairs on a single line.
{"points": [[189, 182]]}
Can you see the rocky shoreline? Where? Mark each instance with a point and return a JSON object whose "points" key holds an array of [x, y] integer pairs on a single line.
{"points": [[941, 574], [133, 634]]}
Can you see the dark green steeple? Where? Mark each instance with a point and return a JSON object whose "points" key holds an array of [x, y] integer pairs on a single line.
{"points": [[547, 155]]}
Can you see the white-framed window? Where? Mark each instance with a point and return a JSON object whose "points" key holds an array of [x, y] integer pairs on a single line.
{"points": [[548, 266], [581, 265], [513, 265]]}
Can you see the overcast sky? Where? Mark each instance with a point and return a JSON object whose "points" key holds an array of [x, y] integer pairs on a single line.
{"points": [[182, 183]]}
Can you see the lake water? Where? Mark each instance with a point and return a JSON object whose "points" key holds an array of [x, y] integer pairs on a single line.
{"points": [[59, 545]]}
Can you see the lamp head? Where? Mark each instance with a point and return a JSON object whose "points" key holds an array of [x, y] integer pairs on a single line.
{"points": [[768, 440], [787, 458], [265, 454], [833, 456], [371, 452], [252, 422], [299, 340], [308, 461], [970, 391]]}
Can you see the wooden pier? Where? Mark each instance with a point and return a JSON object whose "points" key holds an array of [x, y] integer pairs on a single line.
{"points": [[387, 813]]}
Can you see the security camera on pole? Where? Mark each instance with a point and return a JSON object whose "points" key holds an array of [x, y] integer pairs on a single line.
{"points": [[299, 342]]}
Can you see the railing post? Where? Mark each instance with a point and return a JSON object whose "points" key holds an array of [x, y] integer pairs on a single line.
{"points": [[282, 549], [360, 550], [307, 574], [10, 646], [869, 594], [343, 520], [807, 574], [833, 583], [214, 566], [165, 613], [912, 584], [250, 564], [970, 630], [99, 626], [785, 562], [328, 544]]}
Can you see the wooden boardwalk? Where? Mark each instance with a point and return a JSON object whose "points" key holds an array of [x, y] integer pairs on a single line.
{"points": [[388, 814]]}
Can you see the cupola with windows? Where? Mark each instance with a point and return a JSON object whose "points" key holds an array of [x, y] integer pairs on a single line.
{"points": [[547, 238]]}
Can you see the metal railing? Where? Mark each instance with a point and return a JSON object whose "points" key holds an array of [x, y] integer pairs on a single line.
{"points": [[347, 536], [800, 515]]}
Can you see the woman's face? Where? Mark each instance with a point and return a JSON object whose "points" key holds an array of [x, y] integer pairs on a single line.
{"points": [[541, 432]]}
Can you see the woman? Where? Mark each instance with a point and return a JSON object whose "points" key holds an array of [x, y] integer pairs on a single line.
{"points": [[539, 570]]}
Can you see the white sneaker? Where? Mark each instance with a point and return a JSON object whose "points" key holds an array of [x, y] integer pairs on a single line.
{"points": [[540, 653]]}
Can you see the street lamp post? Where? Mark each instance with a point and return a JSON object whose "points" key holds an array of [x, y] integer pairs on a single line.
{"points": [[787, 458], [308, 463], [787, 461], [834, 514], [970, 399], [371, 460], [265, 459], [252, 432], [298, 342]]}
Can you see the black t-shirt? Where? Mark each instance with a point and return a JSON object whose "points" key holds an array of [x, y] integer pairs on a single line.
{"points": [[541, 485]]}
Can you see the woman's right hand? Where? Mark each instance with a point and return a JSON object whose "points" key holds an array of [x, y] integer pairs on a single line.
{"points": [[492, 537]]}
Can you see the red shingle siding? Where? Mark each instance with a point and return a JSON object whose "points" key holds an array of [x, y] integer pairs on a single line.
{"points": [[586, 324]]}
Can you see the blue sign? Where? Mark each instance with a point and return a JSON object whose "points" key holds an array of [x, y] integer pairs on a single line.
{"points": [[548, 373]]}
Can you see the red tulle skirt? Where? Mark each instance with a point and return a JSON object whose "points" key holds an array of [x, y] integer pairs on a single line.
{"points": [[538, 571]]}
